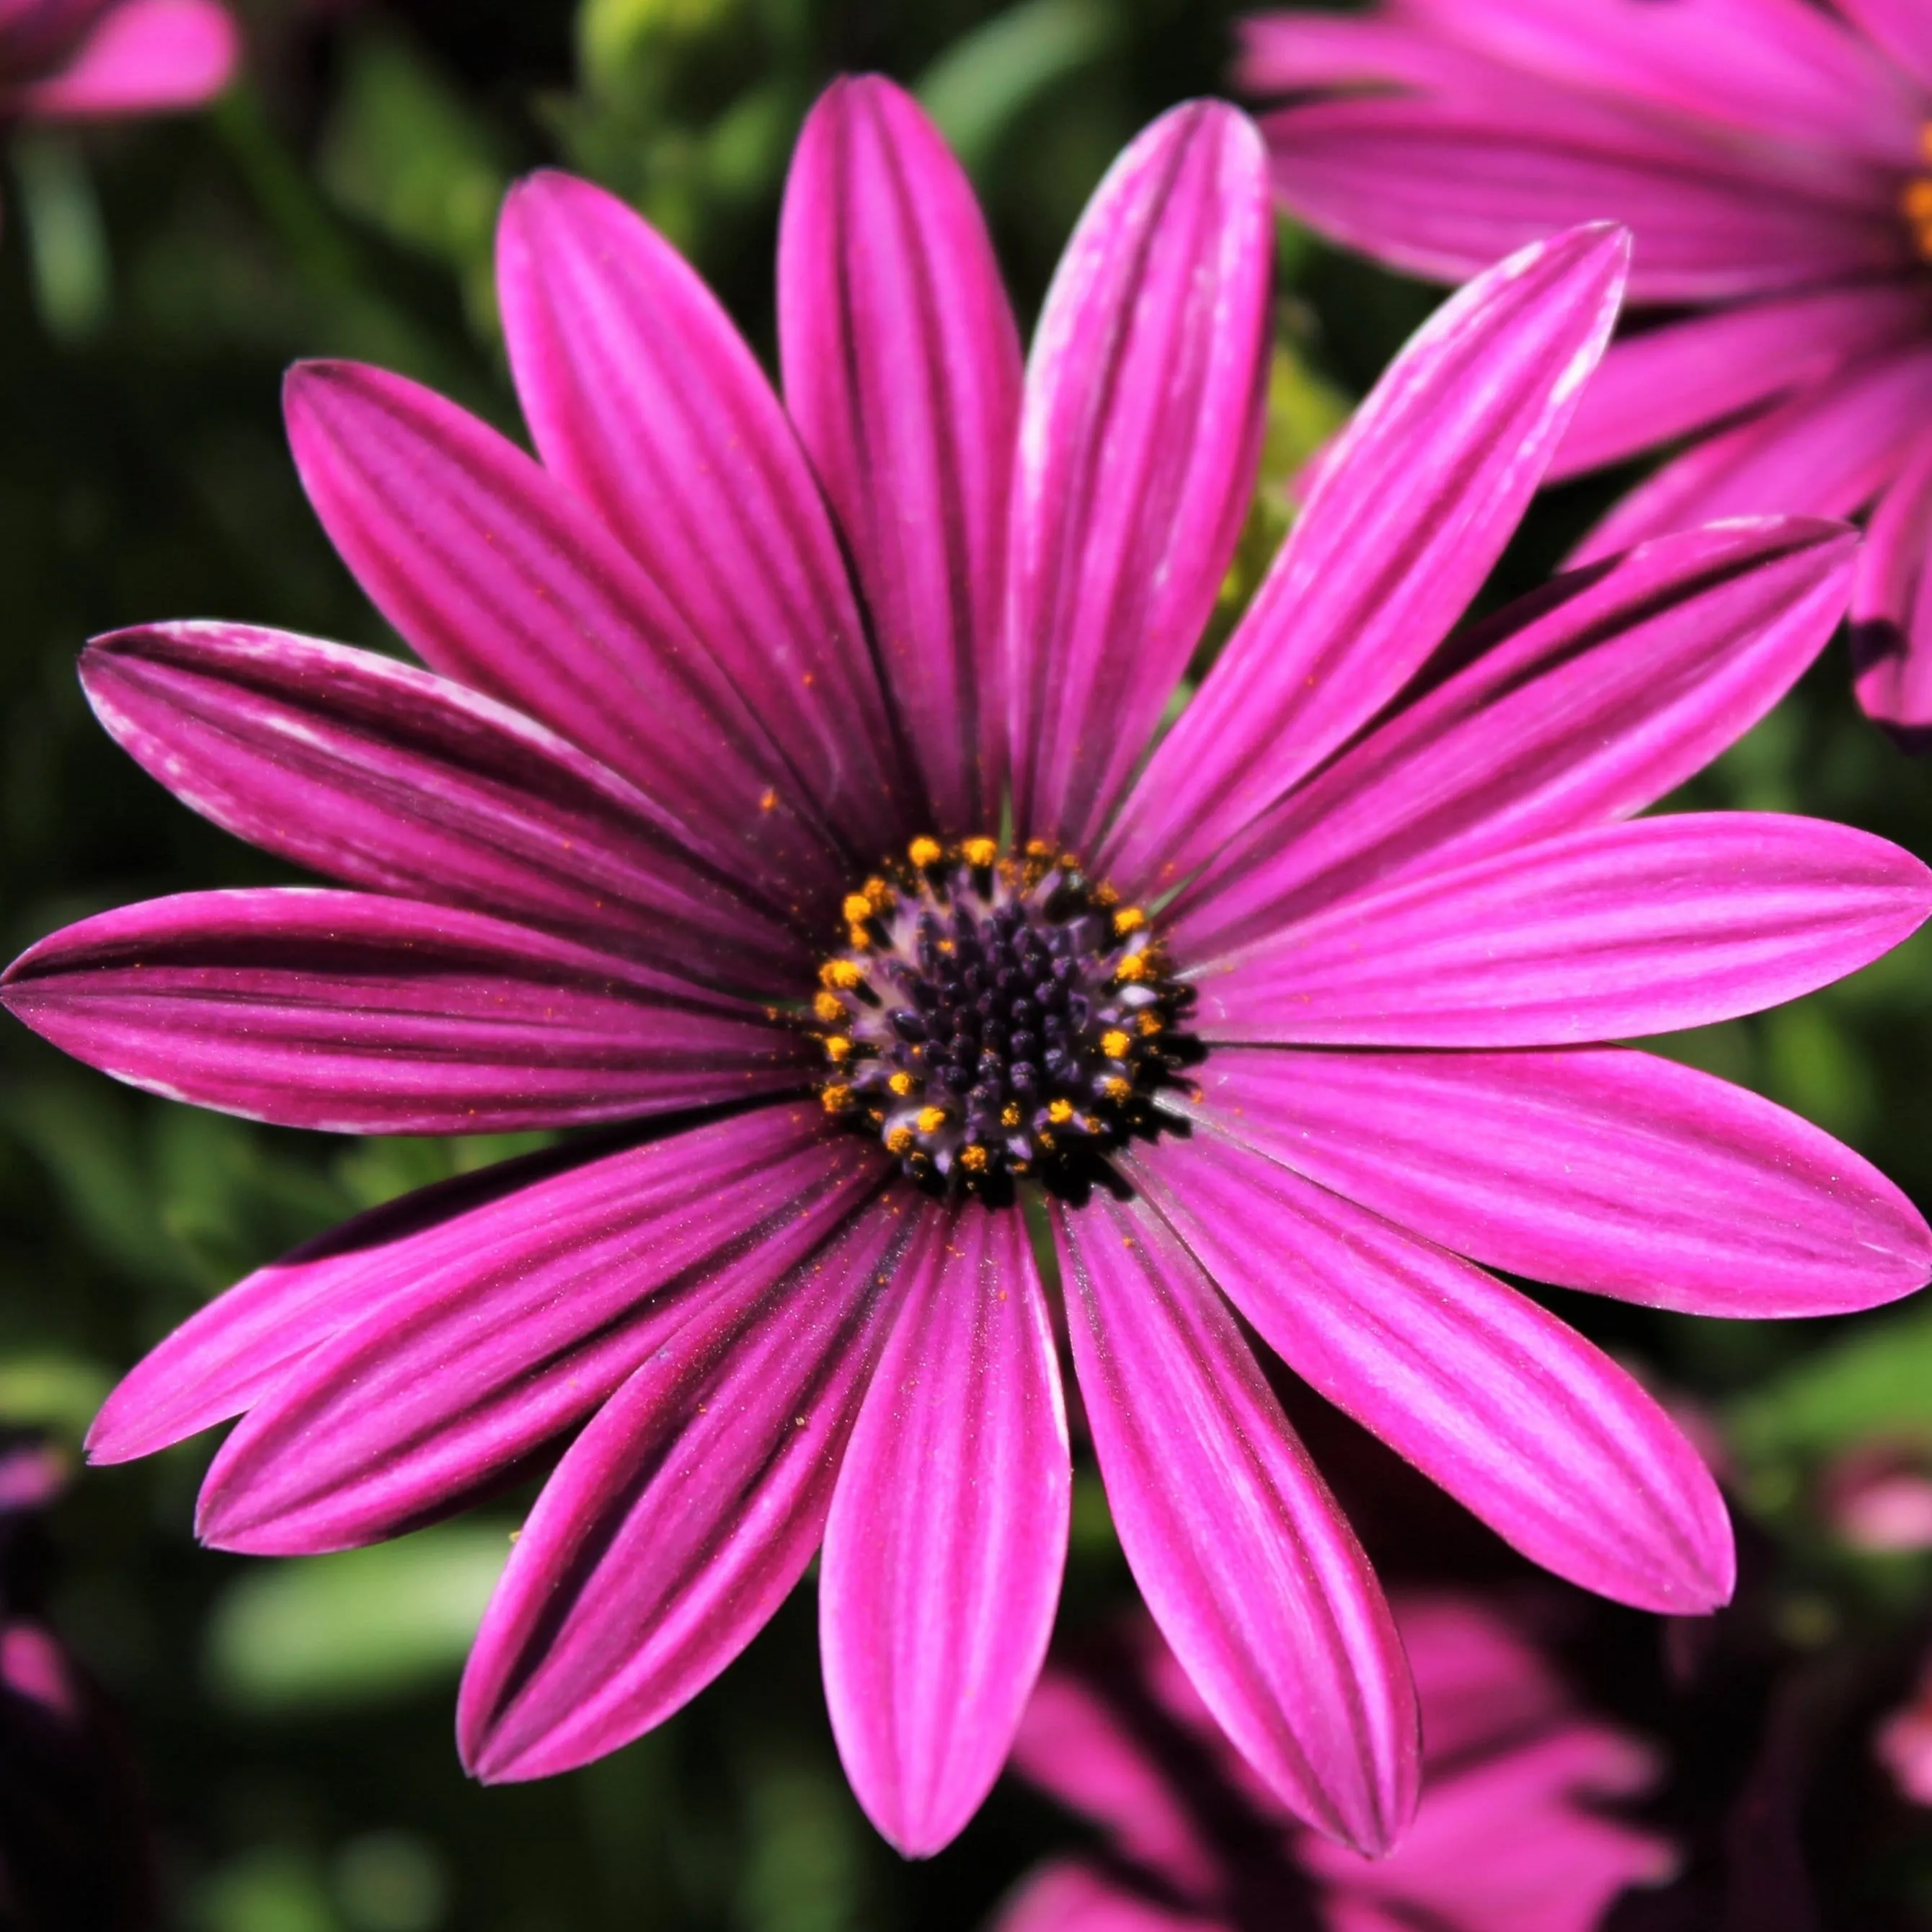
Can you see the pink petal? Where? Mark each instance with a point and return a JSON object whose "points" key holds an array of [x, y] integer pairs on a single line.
{"points": [[143, 57], [358, 1014], [1239, 1553], [1903, 28], [1892, 605], [1618, 930], [643, 397], [902, 367], [1414, 503], [1282, 53], [500, 578], [1138, 443], [459, 1353], [680, 1519], [1598, 1168], [1826, 452], [222, 1359], [1442, 189], [388, 777], [1516, 1415], [1071, 1897], [1785, 70], [1685, 376], [948, 1532], [1610, 688]]}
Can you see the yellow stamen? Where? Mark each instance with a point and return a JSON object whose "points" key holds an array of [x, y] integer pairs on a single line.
{"points": [[930, 1120], [1116, 1089], [1134, 968], [1009, 1115], [1115, 1044], [830, 1008], [836, 1098], [980, 852], [840, 973], [974, 1159], [858, 938], [1149, 1024], [878, 894], [1060, 1112], [857, 908], [1129, 919], [837, 1047], [901, 1083], [924, 852], [898, 1139]]}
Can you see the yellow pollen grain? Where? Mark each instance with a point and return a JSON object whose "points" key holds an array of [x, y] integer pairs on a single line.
{"points": [[857, 908], [1129, 919], [930, 1120], [837, 1047], [1149, 1024], [898, 1139], [836, 1098], [924, 852], [1135, 967], [980, 852], [1115, 1044], [1060, 1112], [830, 1008], [1038, 848], [974, 1159], [840, 973], [1106, 896], [768, 799], [878, 894], [1116, 1089], [1009, 1115], [858, 938], [1917, 199], [901, 1083]]}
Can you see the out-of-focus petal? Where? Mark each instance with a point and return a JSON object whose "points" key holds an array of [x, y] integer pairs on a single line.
{"points": [[901, 364], [1618, 930], [681, 1517], [143, 57], [1071, 1897], [1587, 702], [643, 397], [1784, 70], [948, 1532], [501, 577], [1239, 1550], [1509, 1409], [1295, 53], [1825, 452], [1594, 1168], [360, 1015], [1444, 190], [1138, 442], [460, 1353], [1891, 603], [1415, 501], [1902, 27], [391, 777], [1685, 376]]}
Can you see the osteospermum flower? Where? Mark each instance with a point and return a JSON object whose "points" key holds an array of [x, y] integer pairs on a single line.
{"points": [[1292, 1013], [85, 60], [1513, 1834], [1773, 159]]}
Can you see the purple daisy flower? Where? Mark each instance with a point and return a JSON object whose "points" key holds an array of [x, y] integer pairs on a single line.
{"points": [[1293, 1012], [1511, 1835], [1773, 160], [94, 60]]}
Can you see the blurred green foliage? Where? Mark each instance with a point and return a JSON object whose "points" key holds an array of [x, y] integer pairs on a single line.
{"points": [[154, 281]]}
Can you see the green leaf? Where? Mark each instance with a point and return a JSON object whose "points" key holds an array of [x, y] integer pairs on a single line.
{"points": [[355, 1628], [66, 245], [1876, 1382]]}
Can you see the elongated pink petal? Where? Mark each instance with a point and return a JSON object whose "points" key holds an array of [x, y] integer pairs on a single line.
{"points": [[1510, 1411], [1891, 604], [1072, 1897], [1243, 1560], [948, 1532], [1596, 1168], [643, 397], [680, 1519], [1826, 451], [500, 577], [902, 364], [143, 57], [384, 776], [1281, 53], [1586, 703], [484, 1341], [1903, 28], [359, 1014], [1443, 190], [1618, 930], [1416, 500], [1139, 442], [1782, 69], [1685, 376]]}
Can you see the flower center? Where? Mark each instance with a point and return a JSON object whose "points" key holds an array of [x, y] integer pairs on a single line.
{"points": [[994, 1014]]}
